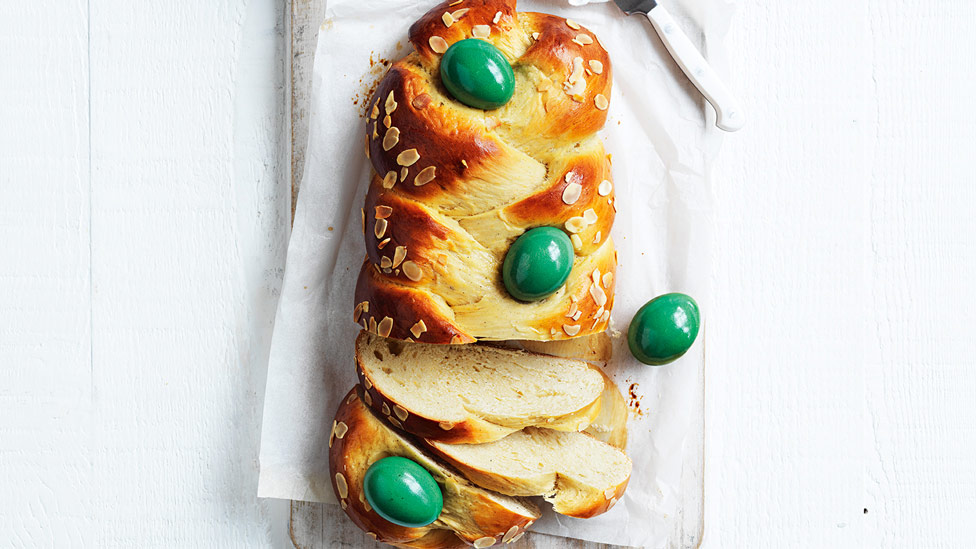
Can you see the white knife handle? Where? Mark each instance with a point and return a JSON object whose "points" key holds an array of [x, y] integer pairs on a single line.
{"points": [[729, 114]]}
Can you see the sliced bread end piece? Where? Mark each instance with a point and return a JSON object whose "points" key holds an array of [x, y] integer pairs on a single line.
{"points": [[581, 476]]}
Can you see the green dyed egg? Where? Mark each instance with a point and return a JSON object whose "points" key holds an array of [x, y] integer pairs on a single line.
{"points": [[477, 74], [537, 263], [664, 329], [403, 492]]}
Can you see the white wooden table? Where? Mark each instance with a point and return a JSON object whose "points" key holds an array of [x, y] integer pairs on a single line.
{"points": [[144, 201]]}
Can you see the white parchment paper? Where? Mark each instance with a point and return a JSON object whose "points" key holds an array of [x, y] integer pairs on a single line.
{"points": [[661, 139]]}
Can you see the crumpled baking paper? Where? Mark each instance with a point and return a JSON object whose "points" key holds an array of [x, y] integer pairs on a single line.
{"points": [[661, 139]]}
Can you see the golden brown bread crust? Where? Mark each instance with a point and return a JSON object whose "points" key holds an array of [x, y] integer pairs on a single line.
{"points": [[359, 439], [455, 186]]}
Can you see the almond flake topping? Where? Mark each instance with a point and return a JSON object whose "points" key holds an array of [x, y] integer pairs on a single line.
{"points": [[595, 276], [376, 110], [408, 157], [385, 262], [609, 493], [510, 534], [575, 84], [395, 422], [571, 329], [445, 425], [399, 254], [344, 504], [421, 101], [481, 31], [601, 102], [418, 329], [367, 383], [400, 413], [572, 310], [458, 14], [596, 66], [448, 19], [425, 176], [389, 180], [583, 39], [598, 237], [519, 536], [577, 241], [607, 280], [438, 44], [481, 543], [387, 121], [577, 315], [332, 434], [386, 409], [575, 224], [572, 24], [599, 296], [391, 138], [412, 271], [590, 216], [367, 398], [341, 485], [391, 104], [340, 430], [385, 326], [383, 211], [380, 228], [403, 174], [572, 193], [605, 188], [498, 17]]}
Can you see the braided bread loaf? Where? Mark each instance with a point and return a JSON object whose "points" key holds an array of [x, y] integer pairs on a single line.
{"points": [[455, 186]]}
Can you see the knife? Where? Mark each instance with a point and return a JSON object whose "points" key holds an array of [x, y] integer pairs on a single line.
{"points": [[729, 115]]}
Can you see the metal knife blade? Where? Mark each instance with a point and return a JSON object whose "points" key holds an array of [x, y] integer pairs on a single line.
{"points": [[636, 6]]}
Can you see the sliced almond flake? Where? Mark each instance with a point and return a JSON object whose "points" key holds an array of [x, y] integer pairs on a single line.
{"points": [[380, 228], [391, 104], [575, 224], [583, 39], [593, 326], [574, 299], [408, 157], [596, 66], [578, 97], [607, 280], [395, 422], [519, 536], [418, 329], [497, 18], [458, 14], [573, 24], [367, 383], [598, 237], [332, 434], [588, 72], [357, 312], [403, 174], [595, 277], [612, 503], [412, 271], [386, 262], [572, 193], [391, 138], [598, 313], [368, 508], [397, 272], [368, 398], [383, 243], [386, 409], [383, 211], [367, 146], [340, 430], [590, 216], [507, 538], [448, 19], [535, 36], [386, 326], [373, 535], [400, 413], [421, 101], [577, 315], [389, 180], [601, 102], [609, 493], [571, 329], [399, 254], [606, 316], [605, 188], [572, 310], [387, 121], [377, 267], [577, 242], [341, 486], [553, 332], [481, 543], [374, 114], [445, 425], [425, 176], [481, 31], [437, 44], [372, 325], [599, 296], [376, 132], [465, 164], [456, 2], [343, 504]]}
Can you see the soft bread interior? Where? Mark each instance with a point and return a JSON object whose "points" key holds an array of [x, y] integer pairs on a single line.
{"points": [[449, 382], [568, 469]]}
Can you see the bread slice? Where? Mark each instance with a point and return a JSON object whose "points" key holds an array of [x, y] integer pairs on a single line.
{"points": [[471, 515], [465, 394], [610, 425], [581, 476], [595, 348]]}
